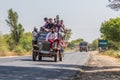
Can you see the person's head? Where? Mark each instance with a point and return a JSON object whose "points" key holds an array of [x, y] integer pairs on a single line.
{"points": [[46, 19], [53, 30], [58, 22], [57, 16], [35, 29], [61, 21], [51, 20], [56, 29]]}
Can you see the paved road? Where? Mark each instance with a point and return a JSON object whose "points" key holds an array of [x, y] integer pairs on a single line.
{"points": [[23, 68]]}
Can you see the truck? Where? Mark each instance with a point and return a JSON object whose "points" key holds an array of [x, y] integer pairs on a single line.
{"points": [[42, 49], [83, 46]]}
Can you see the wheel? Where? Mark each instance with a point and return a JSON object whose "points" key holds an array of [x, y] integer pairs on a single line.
{"points": [[60, 56], [39, 57], [56, 56], [34, 55]]}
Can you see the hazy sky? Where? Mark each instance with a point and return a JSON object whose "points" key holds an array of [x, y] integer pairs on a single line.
{"points": [[84, 17]]}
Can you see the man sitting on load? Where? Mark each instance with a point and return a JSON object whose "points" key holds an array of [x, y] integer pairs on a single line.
{"points": [[48, 24]]}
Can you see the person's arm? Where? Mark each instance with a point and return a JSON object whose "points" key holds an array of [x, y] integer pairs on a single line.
{"points": [[43, 26]]}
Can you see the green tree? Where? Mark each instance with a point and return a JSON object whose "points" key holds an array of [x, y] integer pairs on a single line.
{"points": [[94, 44], [111, 31], [68, 34], [15, 27]]}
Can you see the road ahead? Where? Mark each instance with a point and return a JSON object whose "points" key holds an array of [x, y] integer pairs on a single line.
{"points": [[23, 68]]}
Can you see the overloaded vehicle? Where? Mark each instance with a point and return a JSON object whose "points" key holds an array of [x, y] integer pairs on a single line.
{"points": [[42, 49], [83, 46], [45, 45]]}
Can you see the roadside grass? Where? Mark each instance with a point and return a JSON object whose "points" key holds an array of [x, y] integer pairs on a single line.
{"points": [[112, 53], [67, 50], [7, 53]]}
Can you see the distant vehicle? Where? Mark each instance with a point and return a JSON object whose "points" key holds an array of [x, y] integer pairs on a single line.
{"points": [[83, 46], [42, 49]]}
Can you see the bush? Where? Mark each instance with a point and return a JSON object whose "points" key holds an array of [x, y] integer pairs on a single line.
{"points": [[3, 46], [18, 49], [26, 42]]}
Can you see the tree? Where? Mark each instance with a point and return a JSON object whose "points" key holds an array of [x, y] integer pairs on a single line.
{"points": [[111, 31], [68, 34], [94, 44], [114, 4], [15, 27]]}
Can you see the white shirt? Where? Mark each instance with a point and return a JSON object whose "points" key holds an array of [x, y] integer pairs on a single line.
{"points": [[51, 35]]}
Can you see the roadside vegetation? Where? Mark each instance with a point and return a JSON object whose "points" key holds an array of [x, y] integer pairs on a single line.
{"points": [[9, 48], [18, 42], [112, 53], [111, 31]]}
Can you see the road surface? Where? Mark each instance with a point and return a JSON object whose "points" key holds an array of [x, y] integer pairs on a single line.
{"points": [[23, 68]]}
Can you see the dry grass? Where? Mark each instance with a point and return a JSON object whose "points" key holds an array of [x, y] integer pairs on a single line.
{"points": [[112, 53], [67, 50], [3, 54]]}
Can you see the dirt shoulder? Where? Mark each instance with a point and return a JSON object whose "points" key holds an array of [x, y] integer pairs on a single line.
{"points": [[100, 67]]}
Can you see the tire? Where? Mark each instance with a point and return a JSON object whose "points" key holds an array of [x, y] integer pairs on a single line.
{"points": [[55, 58], [60, 56], [39, 57], [34, 55]]}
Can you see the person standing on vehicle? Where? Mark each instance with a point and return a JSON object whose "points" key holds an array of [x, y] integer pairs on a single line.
{"points": [[61, 33], [34, 36], [63, 30], [57, 18]]}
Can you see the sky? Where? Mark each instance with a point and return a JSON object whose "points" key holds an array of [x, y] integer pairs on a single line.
{"points": [[84, 17]]}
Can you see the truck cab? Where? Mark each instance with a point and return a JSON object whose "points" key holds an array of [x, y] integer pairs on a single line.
{"points": [[83, 46]]}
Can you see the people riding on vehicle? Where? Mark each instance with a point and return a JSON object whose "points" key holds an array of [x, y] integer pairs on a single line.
{"points": [[61, 33], [55, 32], [45, 27], [63, 29], [34, 36], [57, 18], [55, 21], [51, 24], [49, 41], [53, 37]]}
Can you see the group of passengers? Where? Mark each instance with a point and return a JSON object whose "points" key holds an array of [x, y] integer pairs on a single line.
{"points": [[55, 30]]}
